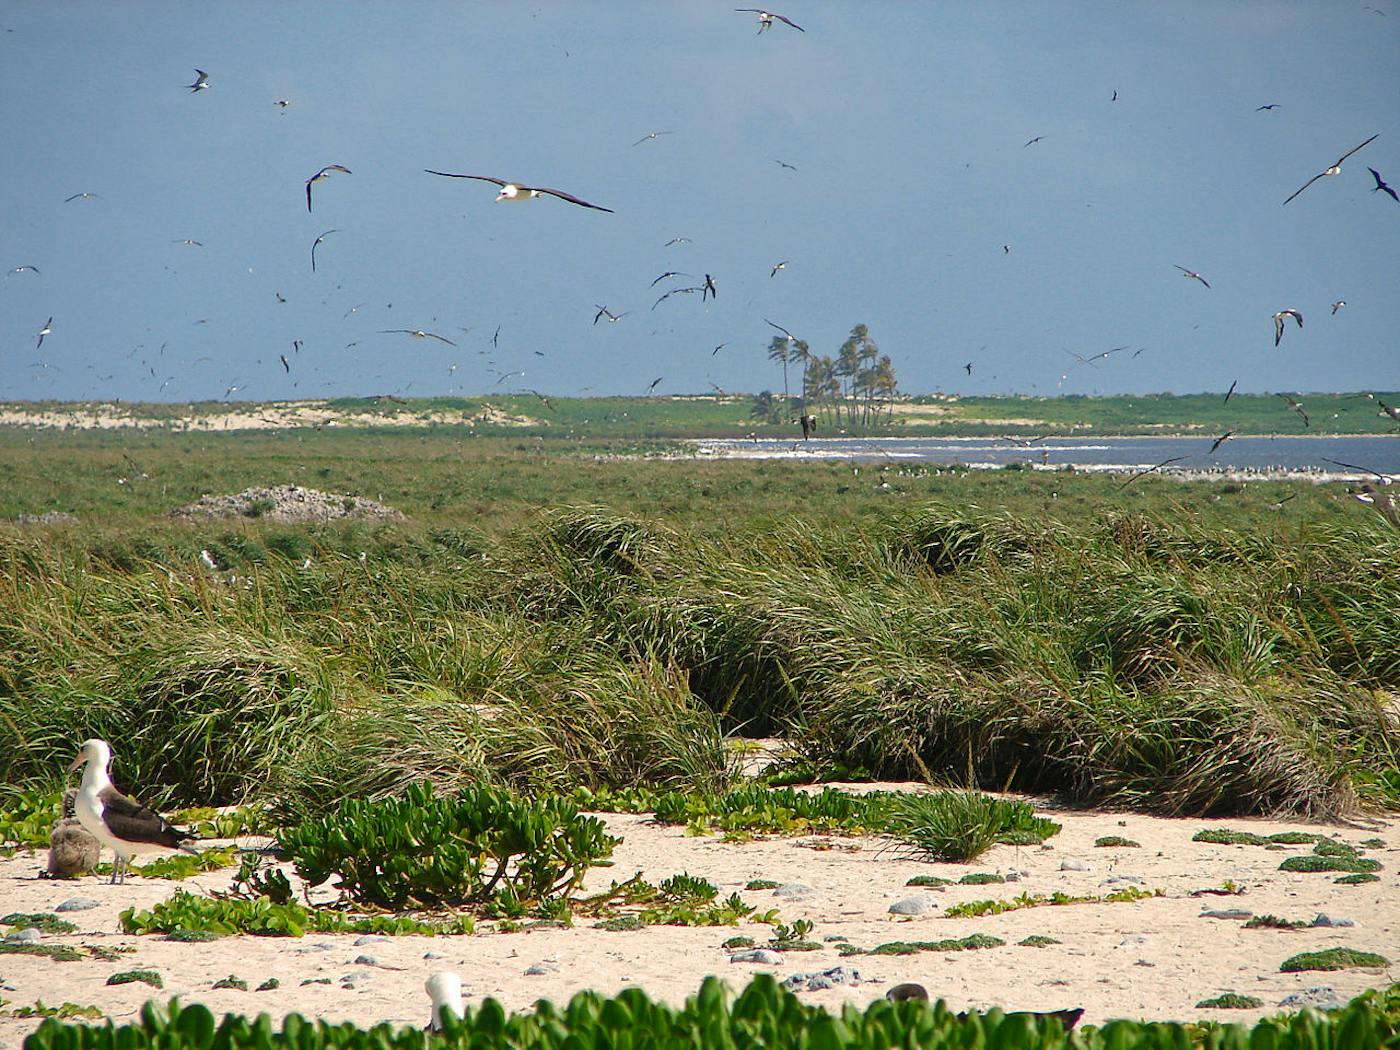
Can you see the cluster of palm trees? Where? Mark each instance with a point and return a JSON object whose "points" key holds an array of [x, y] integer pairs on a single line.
{"points": [[859, 382]]}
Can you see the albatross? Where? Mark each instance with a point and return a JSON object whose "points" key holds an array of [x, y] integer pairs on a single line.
{"points": [[1335, 169], [118, 821], [445, 989], [324, 173], [514, 191]]}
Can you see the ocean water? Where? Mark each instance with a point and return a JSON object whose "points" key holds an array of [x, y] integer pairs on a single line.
{"points": [[1320, 455]]}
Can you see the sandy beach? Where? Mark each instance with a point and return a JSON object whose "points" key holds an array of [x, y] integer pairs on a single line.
{"points": [[1149, 959]]}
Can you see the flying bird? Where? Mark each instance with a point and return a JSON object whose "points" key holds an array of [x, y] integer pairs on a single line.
{"points": [[1382, 185], [1193, 275], [709, 288], [670, 273], [1337, 306], [283, 359], [674, 291], [514, 191], [1387, 410], [968, 368], [603, 311], [1230, 393], [21, 269], [1033, 141], [781, 329], [765, 19], [676, 240], [776, 267], [651, 135], [783, 164], [1297, 406], [1278, 323], [1149, 470], [1335, 169], [46, 330], [190, 241], [315, 244], [1271, 105], [282, 103], [201, 81], [718, 349], [85, 196], [543, 400], [655, 383], [417, 333], [118, 821], [1383, 502], [324, 173], [1220, 441]]}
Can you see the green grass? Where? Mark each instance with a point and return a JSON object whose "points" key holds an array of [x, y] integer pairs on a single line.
{"points": [[1333, 959]]}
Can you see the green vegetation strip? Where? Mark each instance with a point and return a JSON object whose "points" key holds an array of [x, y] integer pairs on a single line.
{"points": [[972, 942], [971, 909], [1333, 959], [43, 921], [188, 916]]}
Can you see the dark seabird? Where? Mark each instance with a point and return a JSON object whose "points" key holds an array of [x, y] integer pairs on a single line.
{"points": [[676, 240], [603, 311], [1231, 392], [46, 330], [201, 81], [1220, 441], [1382, 185], [1297, 406], [445, 990], [674, 291], [1193, 275], [84, 196], [315, 244], [324, 173], [776, 267], [417, 333], [651, 135], [709, 288], [670, 273], [1278, 323], [1337, 306], [1151, 469], [1383, 502], [1335, 169], [718, 349], [21, 269], [1271, 105], [655, 383], [765, 18], [783, 164], [118, 821], [190, 241], [1387, 410], [968, 368], [514, 191], [283, 359], [1033, 141]]}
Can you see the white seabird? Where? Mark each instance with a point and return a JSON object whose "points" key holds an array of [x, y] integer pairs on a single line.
{"points": [[324, 173], [201, 81], [445, 989], [1335, 169], [514, 191], [765, 18], [118, 821], [1278, 323]]}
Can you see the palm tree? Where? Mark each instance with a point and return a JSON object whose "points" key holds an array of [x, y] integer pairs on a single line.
{"points": [[778, 351]]}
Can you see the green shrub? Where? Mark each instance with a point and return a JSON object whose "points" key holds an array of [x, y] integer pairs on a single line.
{"points": [[1116, 840], [1346, 862], [187, 916], [1333, 959], [962, 825], [1231, 1001], [484, 844]]}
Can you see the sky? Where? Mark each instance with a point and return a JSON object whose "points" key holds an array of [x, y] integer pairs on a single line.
{"points": [[912, 203]]}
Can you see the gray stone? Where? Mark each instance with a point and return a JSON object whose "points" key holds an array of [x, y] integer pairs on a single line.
{"points": [[1322, 997], [433, 955], [757, 955], [77, 904], [366, 960], [1075, 864], [1017, 876], [1118, 880], [26, 936], [1227, 913], [1323, 919], [793, 889], [813, 982], [920, 905], [542, 967], [367, 939]]}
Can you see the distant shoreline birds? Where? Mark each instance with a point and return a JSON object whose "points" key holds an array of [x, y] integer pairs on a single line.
{"points": [[765, 19], [324, 173], [515, 191], [1335, 169], [1278, 323]]}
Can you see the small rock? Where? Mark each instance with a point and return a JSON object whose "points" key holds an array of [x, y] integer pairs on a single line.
{"points": [[1134, 941], [544, 966], [433, 955], [1118, 880], [762, 956], [1075, 864], [1227, 913], [366, 960], [1321, 997], [793, 889], [1017, 876], [920, 905], [29, 935], [360, 942], [77, 904], [1323, 919]]}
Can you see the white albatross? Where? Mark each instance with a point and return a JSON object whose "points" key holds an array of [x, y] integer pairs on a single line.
{"points": [[445, 989], [514, 191], [118, 821]]}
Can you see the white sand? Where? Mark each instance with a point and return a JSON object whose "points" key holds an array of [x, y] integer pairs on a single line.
{"points": [[1153, 959]]}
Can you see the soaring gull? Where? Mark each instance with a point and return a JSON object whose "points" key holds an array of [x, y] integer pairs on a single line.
{"points": [[1335, 169], [1193, 275], [514, 191]]}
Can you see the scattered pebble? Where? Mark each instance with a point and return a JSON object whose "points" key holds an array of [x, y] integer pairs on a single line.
{"points": [[28, 935], [367, 939], [1322, 997], [813, 982], [77, 904], [920, 905], [366, 960], [1227, 913], [544, 966], [433, 955], [1118, 880], [1323, 919], [1017, 876], [793, 889], [762, 956], [1075, 864]]}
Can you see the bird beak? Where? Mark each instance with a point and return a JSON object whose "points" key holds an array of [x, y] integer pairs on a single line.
{"points": [[82, 758]]}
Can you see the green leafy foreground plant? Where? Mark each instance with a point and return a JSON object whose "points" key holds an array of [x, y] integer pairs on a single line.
{"points": [[188, 915], [681, 900], [483, 844]]}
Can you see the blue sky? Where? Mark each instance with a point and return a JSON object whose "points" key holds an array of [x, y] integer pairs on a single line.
{"points": [[905, 122]]}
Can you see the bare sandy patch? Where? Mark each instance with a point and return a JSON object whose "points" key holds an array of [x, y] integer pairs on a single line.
{"points": [[273, 415]]}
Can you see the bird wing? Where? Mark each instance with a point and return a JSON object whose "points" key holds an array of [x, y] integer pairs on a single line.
{"points": [[788, 21], [598, 316], [1278, 328], [1202, 280], [781, 329], [480, 178], [130, 821], [1305, 185], [308, 192], [1348, 153], [443, 339], [567, 197], [334, 167], [1296, 316]]}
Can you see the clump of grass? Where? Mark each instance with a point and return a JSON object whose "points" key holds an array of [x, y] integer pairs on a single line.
{"points": [[232, 981], [621, 924], [1116, 840], [1231, 1001], [929, 880], [981, 878], [151, 977], [960, 826], [1357, 879], [1273, 922], [1333, 959], [761, 884], [56, 952], [41, 920], [66, 1011], [1037, 940], [1334, 863], [733, 943], [972, 909], [972, 942]]}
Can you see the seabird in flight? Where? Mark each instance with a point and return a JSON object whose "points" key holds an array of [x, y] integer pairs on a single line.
{"points": [[118, 821], [603, 311], [1231, 392], [445, 989], [1193, 275], [191, 242], [201, 81], [21, 269], [314, 244], [674, 291], [1033, 141], [514, 191], [1387, 410], [282, 103], [651, 135], [324, 173], [676, 240], [1278, 323], [85, 196], [776, 267], [46, 330], [655, 383], [709, 289], [968, 368], [1382, 185], [783, 164], [765, 18], [718, 349], [1297, 406], [781, 329], [1337, 306], [670, 273], [1335, 169], [1220, 441], [417, 333], [283, 359], [1271, 105], [1149, 470]]}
